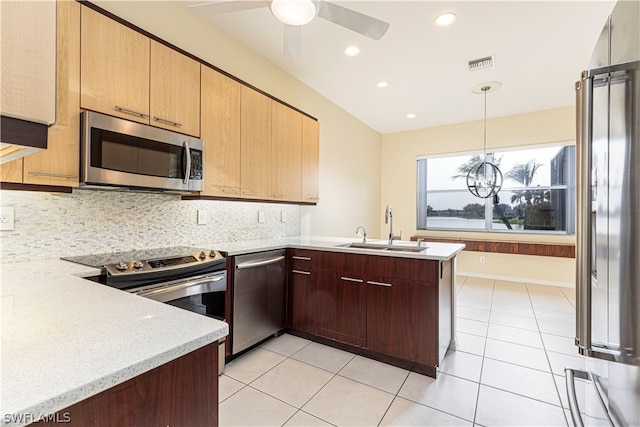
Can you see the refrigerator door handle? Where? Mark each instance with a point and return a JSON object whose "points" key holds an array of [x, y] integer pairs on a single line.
{"points": [[584, 138], [574, 409]]}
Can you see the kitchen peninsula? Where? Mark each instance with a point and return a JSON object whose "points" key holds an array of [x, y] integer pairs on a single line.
{"points": [[390, 302], [65, 339]]}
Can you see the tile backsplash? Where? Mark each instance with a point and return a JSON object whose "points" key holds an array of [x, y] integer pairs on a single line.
{"points": [[52, 225]]}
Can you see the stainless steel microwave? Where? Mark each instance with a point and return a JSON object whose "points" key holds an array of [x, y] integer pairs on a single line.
{"points": [[120, 153]]}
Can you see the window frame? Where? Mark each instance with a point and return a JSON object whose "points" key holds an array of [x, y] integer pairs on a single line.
{"points": [[422, 192]]}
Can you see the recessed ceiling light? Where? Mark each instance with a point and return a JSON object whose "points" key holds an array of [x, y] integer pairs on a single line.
{"points": [[382, 84], [445, 19], [352, 51], [411, 116]]}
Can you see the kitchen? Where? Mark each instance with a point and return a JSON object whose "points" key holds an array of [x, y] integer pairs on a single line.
{"points": [[346, 143]]}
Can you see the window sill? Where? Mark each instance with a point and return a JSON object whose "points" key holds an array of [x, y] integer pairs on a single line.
{"points": [[515, 248]]}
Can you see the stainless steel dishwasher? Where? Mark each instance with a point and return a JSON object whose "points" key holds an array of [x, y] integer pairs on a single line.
{"points": [[258, 298]]}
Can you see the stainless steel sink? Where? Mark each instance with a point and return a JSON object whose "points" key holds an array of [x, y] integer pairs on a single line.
{"points": [[385, 247]]}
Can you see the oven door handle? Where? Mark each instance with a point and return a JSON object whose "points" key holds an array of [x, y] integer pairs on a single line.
{"points": [[170, 292]]}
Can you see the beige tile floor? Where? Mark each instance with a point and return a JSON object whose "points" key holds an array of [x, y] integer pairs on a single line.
{"points": [[514, 341]]}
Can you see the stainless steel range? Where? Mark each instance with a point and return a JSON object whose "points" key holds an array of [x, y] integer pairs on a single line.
{"points": [[190, 278]]}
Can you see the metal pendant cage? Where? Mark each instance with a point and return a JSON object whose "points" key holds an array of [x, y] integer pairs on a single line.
{"points": [[484, 180]]}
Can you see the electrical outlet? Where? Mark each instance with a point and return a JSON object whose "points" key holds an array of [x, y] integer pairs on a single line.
{"points": [[482, 260], [260, 216], [283, 216], [6, 218]]}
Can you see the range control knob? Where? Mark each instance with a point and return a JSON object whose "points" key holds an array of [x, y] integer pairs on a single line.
{"points": [[137, 264], [212, 254], [122, 266], [203, 255]]}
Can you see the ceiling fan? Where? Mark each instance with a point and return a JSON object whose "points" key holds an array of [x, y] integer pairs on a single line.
{"points": [[296, 13]]}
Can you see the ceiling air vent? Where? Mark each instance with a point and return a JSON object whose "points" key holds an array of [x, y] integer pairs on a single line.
{"points": [[480, 63]]}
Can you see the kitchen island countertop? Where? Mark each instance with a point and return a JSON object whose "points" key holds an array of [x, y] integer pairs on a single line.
{"points": [[432, 250], [65, 338]]}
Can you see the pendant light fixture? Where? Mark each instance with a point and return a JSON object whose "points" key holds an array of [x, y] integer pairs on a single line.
{"points": [[484, 179]]}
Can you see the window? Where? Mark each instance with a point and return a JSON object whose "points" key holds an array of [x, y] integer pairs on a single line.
{"points": [[537, 194]]}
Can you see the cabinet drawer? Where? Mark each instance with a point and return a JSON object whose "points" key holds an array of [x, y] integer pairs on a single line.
{"points": [[302, 260], [379, 267]]}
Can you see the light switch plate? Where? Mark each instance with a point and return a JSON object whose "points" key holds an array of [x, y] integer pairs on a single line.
{"points": [[6, 218], [202, 217]]}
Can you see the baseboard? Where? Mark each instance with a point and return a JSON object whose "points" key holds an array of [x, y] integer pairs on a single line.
{"points": [[517, 279]]}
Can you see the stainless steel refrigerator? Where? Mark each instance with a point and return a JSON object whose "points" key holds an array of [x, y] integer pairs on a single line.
{"points": [[608, 226]]}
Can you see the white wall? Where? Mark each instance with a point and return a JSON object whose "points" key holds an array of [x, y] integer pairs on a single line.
{"points": [[349, 192], [399, 152]]}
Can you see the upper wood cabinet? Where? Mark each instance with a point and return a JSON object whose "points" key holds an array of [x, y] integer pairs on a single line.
{"points": [[59, 163], [125, 74], [310, 159], [175, 90], [220, 103], [286, 153], [28, 45], [115, 68], [255, 144]]}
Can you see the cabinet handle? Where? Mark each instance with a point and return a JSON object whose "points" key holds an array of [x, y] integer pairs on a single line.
{"points": [[169, 122], [303, 258], [128, 111], [350, 279], [53, 175], [229, 190], [279, 195], [388, 285], [252, 193], [301, 272]]}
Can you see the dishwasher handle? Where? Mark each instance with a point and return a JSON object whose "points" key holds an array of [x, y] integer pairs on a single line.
{"points": [[259, 263]]}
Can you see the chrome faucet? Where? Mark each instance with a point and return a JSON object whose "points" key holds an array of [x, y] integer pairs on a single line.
{"points": [[388, 219], [364, 233]]}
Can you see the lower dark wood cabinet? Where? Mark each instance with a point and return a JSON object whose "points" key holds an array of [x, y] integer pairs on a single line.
{"points": [[182, 392], [392, 308]]}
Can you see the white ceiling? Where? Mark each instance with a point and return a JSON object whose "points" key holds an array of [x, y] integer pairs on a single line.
{"points": [[540, 48]]}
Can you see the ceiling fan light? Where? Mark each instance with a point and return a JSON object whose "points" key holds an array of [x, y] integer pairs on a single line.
{"points": [[446, 19], [293, 12]]}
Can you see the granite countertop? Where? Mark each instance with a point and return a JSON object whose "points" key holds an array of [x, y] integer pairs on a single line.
{"points": [[65, 338], [432, 250]]}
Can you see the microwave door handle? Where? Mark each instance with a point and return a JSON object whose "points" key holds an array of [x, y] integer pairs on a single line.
{"points": [[187, 154]]}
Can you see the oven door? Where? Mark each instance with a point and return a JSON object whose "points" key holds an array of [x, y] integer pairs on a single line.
{"points": [[201, 294]]}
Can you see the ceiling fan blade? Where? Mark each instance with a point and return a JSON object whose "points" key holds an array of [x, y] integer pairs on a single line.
{"points": [[292, 42], [216, 7], [355, 21]]}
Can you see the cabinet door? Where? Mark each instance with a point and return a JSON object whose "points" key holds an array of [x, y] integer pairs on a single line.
{"points": [[310, 160], [341, 307], [59, 163], [255, 144], [286, 153], [303, 276], [11, 171], [402, 319], [28, 45], [220, 124], [174, 90], [115, 68]]}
